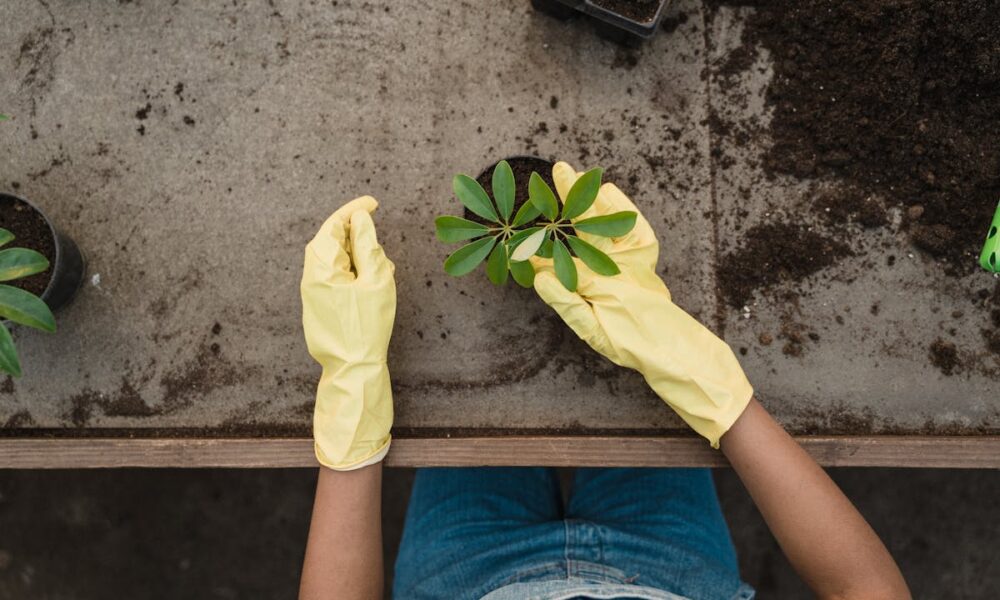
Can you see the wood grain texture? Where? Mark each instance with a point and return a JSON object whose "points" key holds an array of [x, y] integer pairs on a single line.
{"points": [[838, 451]]}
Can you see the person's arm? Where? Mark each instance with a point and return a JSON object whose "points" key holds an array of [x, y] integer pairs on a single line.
{"points": [[344, 551], [631, 319], [824, 537], [348, 308]]}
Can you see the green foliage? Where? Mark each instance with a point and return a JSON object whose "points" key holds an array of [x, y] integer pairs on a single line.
{"points": [[582, 195], [3, 117], [613, 225], [16, 304], [541, 195], [466, 258], [597, 261], [474, 197], [564, 265], [507, 243]]}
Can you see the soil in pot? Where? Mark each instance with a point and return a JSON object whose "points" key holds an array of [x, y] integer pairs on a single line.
{"points": [[640, 11], [30, 231], [522, 166]]}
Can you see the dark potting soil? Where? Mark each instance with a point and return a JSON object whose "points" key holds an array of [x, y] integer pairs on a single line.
{"points": [[851, 206], [522, 168], [900, 98], [30, 231], [640, 11], [773, 252]]}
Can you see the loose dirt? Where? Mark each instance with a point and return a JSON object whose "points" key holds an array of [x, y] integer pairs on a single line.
{"points": [[773, 252], [899, 97]]}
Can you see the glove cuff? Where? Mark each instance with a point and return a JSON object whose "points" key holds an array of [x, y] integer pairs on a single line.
{"points": [[354, 463], [726, 420]]}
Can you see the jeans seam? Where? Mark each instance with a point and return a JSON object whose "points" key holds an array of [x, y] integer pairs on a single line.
{"points": [[566, 528]]}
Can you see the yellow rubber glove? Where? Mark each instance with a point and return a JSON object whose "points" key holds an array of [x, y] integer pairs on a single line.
{"points": [[348, 307], [630, 319]]}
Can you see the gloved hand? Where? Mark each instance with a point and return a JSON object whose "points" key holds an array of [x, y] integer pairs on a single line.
{"points": [[630, 319], [348, 307]]}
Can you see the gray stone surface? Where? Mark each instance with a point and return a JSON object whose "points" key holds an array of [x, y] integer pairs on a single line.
{"points": [[192, 149], [219, 534]]}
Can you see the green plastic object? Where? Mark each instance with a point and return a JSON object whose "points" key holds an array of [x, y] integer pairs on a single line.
{"points": [[989, 258]]}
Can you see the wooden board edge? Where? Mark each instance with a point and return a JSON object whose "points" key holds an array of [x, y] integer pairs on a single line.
{"points": [[559, 451]]}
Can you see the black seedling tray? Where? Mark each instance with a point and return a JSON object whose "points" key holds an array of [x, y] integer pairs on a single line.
{"points": [[609, 23]]}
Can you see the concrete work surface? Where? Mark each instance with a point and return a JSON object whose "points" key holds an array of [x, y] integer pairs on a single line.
{"points": [[192, 149]]}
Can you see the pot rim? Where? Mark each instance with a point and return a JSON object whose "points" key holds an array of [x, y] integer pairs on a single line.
{"points": [[493, 164]]}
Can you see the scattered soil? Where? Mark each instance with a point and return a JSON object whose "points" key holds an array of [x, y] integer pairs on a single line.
{"points": [[641, 11], [991, 335], [522, 166], [851, 205], [773, 252], [21, 418], [944, 356], [899, 97], [30, 231]]}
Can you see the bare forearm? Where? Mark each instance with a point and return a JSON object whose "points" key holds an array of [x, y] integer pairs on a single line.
{"points": [[824, 537], [344, 551]]}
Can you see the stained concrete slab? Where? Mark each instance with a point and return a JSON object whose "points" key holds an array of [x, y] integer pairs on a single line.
{"points": [[193, 149]]}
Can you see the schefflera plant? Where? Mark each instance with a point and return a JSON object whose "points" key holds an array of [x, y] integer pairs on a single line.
{"points": [[493, 242], [554, 236], [539, 228]]}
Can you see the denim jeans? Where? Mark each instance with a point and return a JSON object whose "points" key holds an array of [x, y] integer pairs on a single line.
{"points": [[470, 532]]}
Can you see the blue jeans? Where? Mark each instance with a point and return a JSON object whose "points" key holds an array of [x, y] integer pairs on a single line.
{"points": [[471, 531]]}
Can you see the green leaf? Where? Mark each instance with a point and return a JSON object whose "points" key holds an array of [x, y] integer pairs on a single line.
{"points": [[528, 212], [520, 236], [545, 251], [565, 267], [583, 193], [503, 189], [613, 225], [466, 258], [25, 308], [496, 266], [526, 248], [450, 229], [598, 261], [474, 197], [524, 273], [5, 236], [542, 197], [8, 354], [16, 263], [4, 118]]}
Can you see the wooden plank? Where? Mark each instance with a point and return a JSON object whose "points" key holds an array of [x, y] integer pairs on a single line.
{"points": [[836, 451]]}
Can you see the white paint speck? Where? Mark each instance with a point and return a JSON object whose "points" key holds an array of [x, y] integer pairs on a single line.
{"points": [[95, 279]]}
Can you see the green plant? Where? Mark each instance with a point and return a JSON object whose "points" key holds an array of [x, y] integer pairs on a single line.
{"points": [[4, 117], [539, 228], [18, 305]]}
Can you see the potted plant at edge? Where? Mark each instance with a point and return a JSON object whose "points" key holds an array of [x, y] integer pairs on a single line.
{"points": [[29, 289]]}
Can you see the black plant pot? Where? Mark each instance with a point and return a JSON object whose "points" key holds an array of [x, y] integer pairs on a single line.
{"points": [[522, 165], [67, 268], [610, 20]]}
